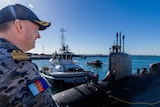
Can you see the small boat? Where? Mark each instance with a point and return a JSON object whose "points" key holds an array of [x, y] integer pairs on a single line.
{"points": [[63, 69], [96, 62]]}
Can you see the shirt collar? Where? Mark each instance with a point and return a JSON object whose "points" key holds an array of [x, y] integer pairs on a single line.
{"points": [[6, 44]]}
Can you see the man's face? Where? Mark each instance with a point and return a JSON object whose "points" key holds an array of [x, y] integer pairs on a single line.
{"points": [[30, 31]]}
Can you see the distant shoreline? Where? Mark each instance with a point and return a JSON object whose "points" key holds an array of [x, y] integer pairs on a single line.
{"points": [[48, 56]]}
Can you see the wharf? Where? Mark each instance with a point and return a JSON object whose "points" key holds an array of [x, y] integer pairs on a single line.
{"points": [[48, 56]]}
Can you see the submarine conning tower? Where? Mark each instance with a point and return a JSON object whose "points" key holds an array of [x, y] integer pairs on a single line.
{"points": [[120, 63]]}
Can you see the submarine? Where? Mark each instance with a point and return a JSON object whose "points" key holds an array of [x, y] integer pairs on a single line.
{"points": [[119, 87]]}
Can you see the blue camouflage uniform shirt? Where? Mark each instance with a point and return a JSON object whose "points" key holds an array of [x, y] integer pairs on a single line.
{"points": [[20, 80]]}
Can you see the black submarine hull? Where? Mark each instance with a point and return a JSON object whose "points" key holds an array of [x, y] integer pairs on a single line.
{"points": [[122, 93]]}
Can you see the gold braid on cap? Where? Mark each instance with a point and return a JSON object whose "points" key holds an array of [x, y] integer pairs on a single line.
{"points": [[44, 23]]}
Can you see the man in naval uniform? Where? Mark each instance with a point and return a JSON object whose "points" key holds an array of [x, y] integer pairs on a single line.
{"points": [[21, 84]]}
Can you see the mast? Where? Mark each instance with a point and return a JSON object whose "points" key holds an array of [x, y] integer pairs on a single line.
{"points": [[120, 41], [117, 42], [117, 46], [123, 42], [63, 39]]}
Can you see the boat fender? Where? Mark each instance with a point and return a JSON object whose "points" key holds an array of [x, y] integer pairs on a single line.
{"points": [[144, 71], [45, 68], [96, 78]]}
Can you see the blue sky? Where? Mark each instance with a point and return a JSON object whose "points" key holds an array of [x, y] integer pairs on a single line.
{"points": [[91, 25]]}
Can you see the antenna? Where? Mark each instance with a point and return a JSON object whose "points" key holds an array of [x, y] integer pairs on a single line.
{"points": [[117, 42], [117, 39], [120, 41], [123, 42]]}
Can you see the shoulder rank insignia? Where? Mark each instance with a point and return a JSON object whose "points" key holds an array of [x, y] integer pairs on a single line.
{"points": [[18, 55]]}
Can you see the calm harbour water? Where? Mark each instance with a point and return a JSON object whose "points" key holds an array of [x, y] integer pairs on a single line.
{"points": [[137, 62]]}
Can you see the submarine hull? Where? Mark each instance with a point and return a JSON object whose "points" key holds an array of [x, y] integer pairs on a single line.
{"points": [[124, 92]]}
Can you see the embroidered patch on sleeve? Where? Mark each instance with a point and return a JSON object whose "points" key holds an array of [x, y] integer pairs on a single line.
{"points": [[38, 86]]}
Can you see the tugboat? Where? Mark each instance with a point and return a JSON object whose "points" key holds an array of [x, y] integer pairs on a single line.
{"points": [[63, 70], [96, 62]]}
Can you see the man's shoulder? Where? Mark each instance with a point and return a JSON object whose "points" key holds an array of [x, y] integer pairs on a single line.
{"points": [[14, 59], [20, 77]]}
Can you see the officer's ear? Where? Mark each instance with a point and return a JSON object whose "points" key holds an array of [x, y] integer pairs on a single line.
{"points": [[18, 25]]}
